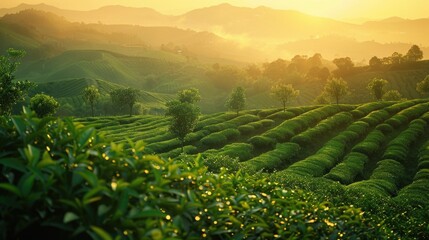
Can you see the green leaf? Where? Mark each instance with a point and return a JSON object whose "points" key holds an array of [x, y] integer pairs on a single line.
{"points": [[13, 163], [90, 177], [46, 161], [69, 217], [92, 193], [102, 209], [11, 188], [85, 136], [26, 184], [148, 214], [33, 155], [19, 125], [101, 233]]}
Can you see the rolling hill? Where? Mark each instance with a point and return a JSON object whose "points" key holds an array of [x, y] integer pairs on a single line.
{"points": [[264, 28], [377, 150]]}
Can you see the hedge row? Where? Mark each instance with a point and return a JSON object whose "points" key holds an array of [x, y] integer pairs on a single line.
{"points": [[65, 181], [252, 126], [220, 138], [417, 193], [242, 151], [399, 147], [388, 176], [282, 155], [292, 127], [233, 123], [339, 120]]}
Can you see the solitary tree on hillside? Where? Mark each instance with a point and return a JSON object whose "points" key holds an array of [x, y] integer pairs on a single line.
{"points": [[376, 86], [392, 95], [191, 95], [11, 91], [336, 88], [414, 54], [124, 97], [91, 95], [44, 105], [284, 93], [184, 115], [423, 86], [237, 100]]}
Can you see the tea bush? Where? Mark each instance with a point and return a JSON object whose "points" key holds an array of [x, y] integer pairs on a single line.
{"points": [[61, 179]]}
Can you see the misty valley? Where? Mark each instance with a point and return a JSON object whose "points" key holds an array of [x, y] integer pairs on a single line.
{"points": [[223, 122]]}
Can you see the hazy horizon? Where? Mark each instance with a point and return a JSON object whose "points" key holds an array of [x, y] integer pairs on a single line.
{"points": [[356, 11]]}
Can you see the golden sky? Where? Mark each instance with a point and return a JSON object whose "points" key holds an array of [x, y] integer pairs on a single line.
{"points": [[338, 9]]}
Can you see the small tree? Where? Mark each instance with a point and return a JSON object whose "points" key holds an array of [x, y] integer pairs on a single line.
{"points": [[191, 95], [375, 62], [336, 88], [376, 86], [423, 86], [44, 105], [393, 95], [124, 97], [414, 54], [284, 93], [11, 92], [237, 100], [184, 115], [91, 95]]}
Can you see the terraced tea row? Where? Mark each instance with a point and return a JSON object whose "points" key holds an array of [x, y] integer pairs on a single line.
{"points": [[368, 148]]}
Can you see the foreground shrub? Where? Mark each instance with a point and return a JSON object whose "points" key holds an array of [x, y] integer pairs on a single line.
{"points": [[63, 180]]}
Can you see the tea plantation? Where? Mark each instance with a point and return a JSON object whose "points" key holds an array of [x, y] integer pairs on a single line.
{"points": [[313, 172]]}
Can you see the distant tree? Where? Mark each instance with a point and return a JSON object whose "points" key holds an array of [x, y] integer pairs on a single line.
{"points": [[225, 77], [315, 61], [44, 105], [396, 58], [375, 63], [124, 97], [253, 71], [336, 88], [414, 54], [323, 98], [191, 95], [184, 116], [91, 95], [423, 86], [237, 100], [276, 70], [11, 92], [284, 93], [344, 65], [392, 95], [317, 73], [376, 86]]}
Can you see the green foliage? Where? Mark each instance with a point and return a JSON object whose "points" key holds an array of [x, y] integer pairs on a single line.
{"points": [[184, 114], [62, 178], [237, 100], [91, 95], [376, 86], [336, 88], [392, 95], [216, 163], [191, 95], [44, 105], [184, 118], [284, 93], [423, 86], [414, 54], [124, 97], [11, 92]]}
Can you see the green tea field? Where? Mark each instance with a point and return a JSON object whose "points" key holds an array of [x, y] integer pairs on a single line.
{"points": [[371, 147]]}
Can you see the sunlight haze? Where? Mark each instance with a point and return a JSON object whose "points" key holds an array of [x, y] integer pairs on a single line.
{"points": [[351, 10]]}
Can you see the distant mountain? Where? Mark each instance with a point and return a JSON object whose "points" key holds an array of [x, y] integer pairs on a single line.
{"points": [[260, 28], [44, 28]]}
